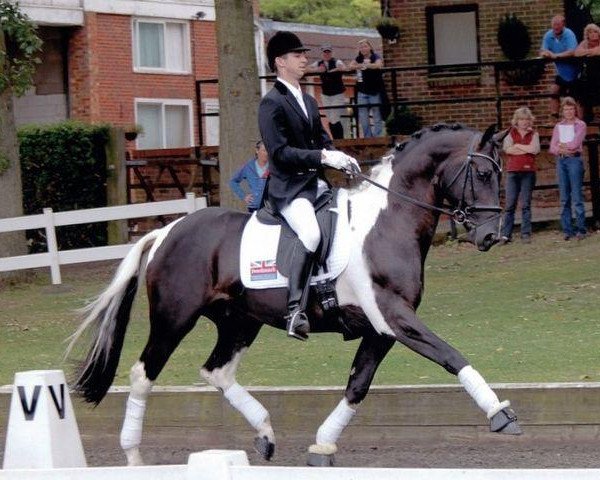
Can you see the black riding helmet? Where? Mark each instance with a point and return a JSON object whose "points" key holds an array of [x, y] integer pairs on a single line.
{"points": [[281, 43]]}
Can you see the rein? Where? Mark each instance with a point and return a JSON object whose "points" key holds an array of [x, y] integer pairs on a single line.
{"points": [[459, 215]]}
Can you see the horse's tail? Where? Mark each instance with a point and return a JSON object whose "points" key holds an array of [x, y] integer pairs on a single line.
{"points": [[109, 315]]}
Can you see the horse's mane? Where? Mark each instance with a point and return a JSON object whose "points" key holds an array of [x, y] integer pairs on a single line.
{"points": [[390, 159], [424, 133]]}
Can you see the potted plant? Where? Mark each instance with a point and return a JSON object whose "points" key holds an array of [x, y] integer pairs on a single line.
{"points": [[515, 43], [132, 131], [388, 28], [402, 121]]}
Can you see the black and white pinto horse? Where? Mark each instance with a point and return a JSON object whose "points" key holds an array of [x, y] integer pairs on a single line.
{"points": [[192, 269]]}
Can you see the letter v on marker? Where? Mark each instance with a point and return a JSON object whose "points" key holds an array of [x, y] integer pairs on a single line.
{"points": [[29, 411], [60, 407]]}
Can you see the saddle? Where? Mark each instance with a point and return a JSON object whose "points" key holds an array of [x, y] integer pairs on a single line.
{"points": [[266, 250], [326, 218]]}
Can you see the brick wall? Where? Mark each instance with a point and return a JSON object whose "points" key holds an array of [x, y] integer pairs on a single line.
{"points": [[412, 50], [102, 82], [80, 52]]}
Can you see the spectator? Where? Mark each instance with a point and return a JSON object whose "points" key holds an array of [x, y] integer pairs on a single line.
{"points": [[567, 145], [521, 145], [560, 42], [255, 173], [369, 84], [330, 70], [589, 79]]}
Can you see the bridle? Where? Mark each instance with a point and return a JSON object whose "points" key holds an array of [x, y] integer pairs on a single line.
{"points": [[462, 212]]}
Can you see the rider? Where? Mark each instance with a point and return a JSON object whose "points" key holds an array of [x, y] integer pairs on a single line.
{"points": [[298, 147]]}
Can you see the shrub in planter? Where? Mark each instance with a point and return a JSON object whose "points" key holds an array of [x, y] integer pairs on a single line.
{"points": [[515, 43], [403, 122], [513, 37], [388, 28], [132, 131]]}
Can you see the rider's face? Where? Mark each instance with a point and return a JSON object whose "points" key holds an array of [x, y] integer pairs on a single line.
{"points": [[293, 64]]}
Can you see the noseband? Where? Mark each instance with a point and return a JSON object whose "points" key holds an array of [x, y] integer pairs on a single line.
{"points": [[462, 212]]}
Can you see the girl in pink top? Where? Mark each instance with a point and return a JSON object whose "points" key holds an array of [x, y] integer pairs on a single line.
{"points": [[567, 145]]}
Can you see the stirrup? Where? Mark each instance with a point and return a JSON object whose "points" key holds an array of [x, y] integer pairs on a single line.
{"points": [[297, 325]]}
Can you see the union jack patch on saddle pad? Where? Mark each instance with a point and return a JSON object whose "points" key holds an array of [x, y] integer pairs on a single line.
{"points": [[261, 270]]}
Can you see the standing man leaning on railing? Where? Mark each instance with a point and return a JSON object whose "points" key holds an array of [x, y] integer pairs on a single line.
{"points": [[330, 70], [560, 42]]}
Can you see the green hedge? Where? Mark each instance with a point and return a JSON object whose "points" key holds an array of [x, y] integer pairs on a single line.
{"points": [[64, 168]]}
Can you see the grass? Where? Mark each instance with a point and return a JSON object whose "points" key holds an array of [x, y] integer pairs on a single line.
{"points": [[519, 313]]}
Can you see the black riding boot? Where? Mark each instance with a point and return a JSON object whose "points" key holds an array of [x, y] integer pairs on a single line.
{"points": [[300, 273]]}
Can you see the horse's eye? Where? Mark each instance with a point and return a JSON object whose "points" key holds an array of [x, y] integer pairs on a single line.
{"points": [[484, 176]]}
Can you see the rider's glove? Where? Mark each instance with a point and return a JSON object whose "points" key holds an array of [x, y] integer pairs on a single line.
{"points": [[339, 160]]}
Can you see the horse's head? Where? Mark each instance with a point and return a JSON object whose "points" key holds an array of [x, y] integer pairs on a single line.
{"points": [[471, 183]]}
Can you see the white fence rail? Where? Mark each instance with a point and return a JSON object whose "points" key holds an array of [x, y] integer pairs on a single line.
{"points": [[49, 220], [233, 465]]}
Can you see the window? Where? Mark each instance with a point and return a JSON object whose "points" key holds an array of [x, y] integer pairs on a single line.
{"points": [[166, 123], [452, 34], [161, 46], [211, 123]]}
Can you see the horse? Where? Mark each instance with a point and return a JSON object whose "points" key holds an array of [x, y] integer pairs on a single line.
{"points": [[192, 269]]}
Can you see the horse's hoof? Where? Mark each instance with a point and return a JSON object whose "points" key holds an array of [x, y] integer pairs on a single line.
{"points": [[320, 460], [264, 447], [505, 422]]}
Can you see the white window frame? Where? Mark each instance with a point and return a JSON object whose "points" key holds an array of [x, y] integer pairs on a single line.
{"points": [[166, 70], [211, 124], [163, 102]]}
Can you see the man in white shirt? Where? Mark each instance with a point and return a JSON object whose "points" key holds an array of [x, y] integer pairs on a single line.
{"points": [[298, 146]]}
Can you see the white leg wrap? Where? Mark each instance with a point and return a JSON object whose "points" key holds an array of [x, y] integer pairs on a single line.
{"points": [[497, 408], [131, 433], [247, 405], [335, 423], [479, 390]]}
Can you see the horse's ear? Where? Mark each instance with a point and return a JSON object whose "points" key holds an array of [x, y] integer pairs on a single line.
{"points": [[499, 137], [487, 136]]}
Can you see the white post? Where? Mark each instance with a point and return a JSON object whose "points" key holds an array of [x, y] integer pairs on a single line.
{"points": [[42, 431], [201, 202], [52, 246], [190, 198]]}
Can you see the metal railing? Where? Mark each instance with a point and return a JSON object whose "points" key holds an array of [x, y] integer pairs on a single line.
{"points": [[489, 74], [393, 76]]}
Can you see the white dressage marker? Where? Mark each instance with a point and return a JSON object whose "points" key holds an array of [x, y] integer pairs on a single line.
{"points": [[42, 430]]}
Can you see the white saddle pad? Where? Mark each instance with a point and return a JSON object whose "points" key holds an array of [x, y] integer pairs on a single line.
{"points": [[258, 252]]}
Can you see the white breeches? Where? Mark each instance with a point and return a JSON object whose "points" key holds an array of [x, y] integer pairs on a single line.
{"points": [[300, 215]]}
